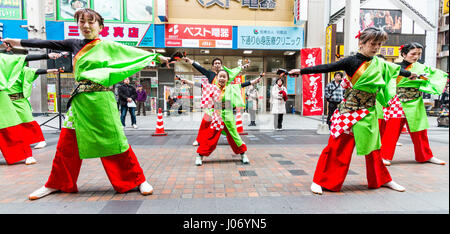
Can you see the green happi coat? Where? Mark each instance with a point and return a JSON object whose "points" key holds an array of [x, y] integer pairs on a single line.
{"points": [[414, 110], [10, 69], [379, 77], [24, 84], [99, 131]]}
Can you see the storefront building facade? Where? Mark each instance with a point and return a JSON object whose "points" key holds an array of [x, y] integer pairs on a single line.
{"points": [[262, 32]]}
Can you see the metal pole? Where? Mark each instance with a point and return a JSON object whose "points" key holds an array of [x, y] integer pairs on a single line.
{"points": [[351, 26]]}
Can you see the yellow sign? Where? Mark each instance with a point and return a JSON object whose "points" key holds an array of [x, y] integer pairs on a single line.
{"points": [[445, 7], [328, 44], [387, 51]]}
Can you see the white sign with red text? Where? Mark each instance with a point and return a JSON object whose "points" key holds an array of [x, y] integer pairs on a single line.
{"points": [[199, 36], [129, 34]]}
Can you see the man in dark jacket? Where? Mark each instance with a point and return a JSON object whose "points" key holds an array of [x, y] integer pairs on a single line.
{"points": [[127, 101]]}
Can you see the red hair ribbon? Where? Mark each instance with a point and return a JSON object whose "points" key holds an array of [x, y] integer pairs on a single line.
{"points": [[359, 34], [401, 48]]}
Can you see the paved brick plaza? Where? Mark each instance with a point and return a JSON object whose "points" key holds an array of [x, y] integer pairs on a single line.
{"points": [[281, 169]]}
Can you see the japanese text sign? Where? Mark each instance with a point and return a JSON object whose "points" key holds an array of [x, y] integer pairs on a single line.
{"points": [[199, 36], [270, 38], [312, 83]]}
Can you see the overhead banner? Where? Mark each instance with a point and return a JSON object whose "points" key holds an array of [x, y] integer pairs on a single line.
{"points": [[312, 83], [141, 35], [198, 36], [388, 20], [270, 38]]}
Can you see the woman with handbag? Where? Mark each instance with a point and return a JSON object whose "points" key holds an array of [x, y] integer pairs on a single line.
{"points": [[278, 98]]}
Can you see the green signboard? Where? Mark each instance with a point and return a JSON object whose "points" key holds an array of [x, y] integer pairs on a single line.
{"points": [[10, 9]]}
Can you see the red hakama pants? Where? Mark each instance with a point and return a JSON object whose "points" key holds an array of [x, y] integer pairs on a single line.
{"points": [[210, 137], [334, 162], [13, 146], [31, 132], [123, 170], [382, 125], [389, 140], [204, 126]]}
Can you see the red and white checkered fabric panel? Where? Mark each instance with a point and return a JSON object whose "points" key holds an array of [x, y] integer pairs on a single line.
{"points": [[395, 108], [386, 113], [346, 83], [217, 122], [342, 123], [210, 94]]}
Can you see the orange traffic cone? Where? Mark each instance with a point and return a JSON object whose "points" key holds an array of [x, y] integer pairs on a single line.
{"points": [[239, 124], [159, 125], [404, 130]]}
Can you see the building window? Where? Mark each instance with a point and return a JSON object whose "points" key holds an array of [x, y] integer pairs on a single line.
{"points": [[232, 61], [274, 63], [256, 64]]}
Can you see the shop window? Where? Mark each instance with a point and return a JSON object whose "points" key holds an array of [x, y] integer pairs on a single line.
{"points": [[232, 61], [183, 67], [256, 64], [110, 10], [274, 63]]}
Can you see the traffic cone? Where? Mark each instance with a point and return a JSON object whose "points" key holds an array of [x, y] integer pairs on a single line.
{"points": [[239, 124], [159, 125], [404, 130]]}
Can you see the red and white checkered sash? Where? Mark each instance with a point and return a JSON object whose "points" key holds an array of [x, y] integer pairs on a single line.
{"points": [[385, 113], [342, 123], [210, 95], [346, 84], [395, 109]]}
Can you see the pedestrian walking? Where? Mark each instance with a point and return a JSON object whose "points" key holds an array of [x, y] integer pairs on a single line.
{"points": [[334, 94], [127, 99], [407, 107], [253, 95], [140, 99], [355, 123], [92, 127]]}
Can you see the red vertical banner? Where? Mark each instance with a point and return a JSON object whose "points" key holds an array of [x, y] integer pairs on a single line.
{"points": [[312, 83]]}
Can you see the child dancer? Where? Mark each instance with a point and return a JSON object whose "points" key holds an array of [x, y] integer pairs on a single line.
{"points": [[92, 128], [211, 75], [222, 97], [407, 106], [355, 122]]}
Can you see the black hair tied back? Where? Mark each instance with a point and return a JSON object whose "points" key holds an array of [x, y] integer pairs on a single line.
{"points": [[410, 46]]}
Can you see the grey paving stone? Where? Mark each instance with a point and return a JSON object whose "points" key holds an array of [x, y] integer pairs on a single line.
{"points": [[197, 206], [121, 207], [163, 206]]}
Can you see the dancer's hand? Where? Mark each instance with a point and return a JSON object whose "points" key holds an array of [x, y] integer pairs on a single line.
{"points": [[245, 66], [165, 60], [54, 71], [54, 55], [413, 76], [188, 60], [11, 42], [294, 72]]}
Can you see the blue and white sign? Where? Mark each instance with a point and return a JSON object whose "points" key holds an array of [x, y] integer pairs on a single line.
{"points": [[270, 38], [290, 85]]}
